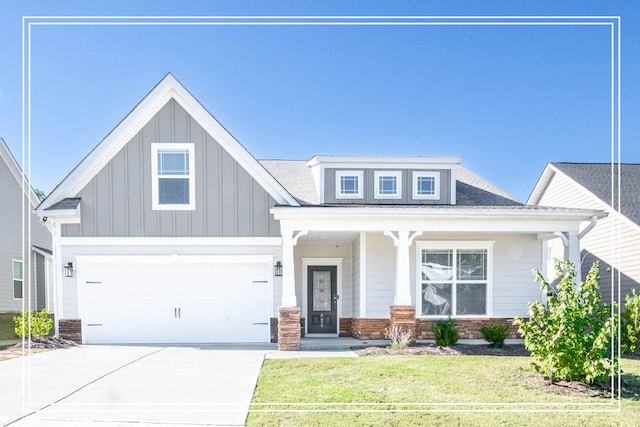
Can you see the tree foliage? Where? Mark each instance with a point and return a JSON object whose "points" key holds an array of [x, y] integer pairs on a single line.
{"points": [[570, 338], [631, 322]]}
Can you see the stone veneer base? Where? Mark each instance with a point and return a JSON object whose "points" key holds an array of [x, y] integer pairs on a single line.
{"points": [[289, 329], [70, 329]]}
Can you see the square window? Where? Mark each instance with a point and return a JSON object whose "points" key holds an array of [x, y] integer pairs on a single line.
{"points": [[426, 185], [173, 177], [348, 184], [388, 185], [455, 278]]}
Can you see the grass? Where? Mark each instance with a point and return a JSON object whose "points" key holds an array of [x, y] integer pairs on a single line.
{"points": [[430, 390], [8, 336]]}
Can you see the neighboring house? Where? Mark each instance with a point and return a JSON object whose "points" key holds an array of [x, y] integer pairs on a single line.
{"points": [[615, 240], [24, 269], [178, 234]]}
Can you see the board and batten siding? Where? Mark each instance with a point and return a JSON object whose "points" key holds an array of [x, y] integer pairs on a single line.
{"points": [[11, 240], [368, 188], [514, 258], [228, 201], [599, 243]]}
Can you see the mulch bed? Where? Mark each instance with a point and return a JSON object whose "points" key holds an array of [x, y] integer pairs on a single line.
{"points": [[37, 345], [454, 350]]}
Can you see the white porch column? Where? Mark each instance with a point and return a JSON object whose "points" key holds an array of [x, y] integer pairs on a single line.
{"points": [[288, 264], [403, 281], [288, 273], [573, 254]]}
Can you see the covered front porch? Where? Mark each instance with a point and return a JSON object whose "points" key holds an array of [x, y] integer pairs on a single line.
{"points": [[354, 272]]}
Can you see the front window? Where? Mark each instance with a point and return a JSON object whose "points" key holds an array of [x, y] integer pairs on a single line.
{"points": [[17, 279], [426, 185], [388, 185], [173, 177], [349, 184], [455, 278]]}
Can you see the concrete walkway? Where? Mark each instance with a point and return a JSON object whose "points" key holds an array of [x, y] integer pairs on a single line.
{"points": [[121, 385]]}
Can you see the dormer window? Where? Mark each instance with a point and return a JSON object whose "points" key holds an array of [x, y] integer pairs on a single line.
{"points": [[426, 185], [388, 185], [173, 177], [349, 184]]}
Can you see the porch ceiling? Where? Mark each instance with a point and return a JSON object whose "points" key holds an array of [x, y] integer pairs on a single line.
{"points": [[329, 236]]}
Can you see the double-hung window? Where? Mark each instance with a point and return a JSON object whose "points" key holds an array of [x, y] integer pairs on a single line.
{"points": [[426, 185], [349, 185], [173, 176], [17, 279], [455, 278], [388, 185]]}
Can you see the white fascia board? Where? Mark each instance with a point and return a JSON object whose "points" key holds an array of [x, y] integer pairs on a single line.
{"points": [[541, 184], [426, 212], [61, 216], [167, 89], [171, 241], [386, 162]]}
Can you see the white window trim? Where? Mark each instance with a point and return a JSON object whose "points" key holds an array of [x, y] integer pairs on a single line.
{"points": [[357, 174], [435, 176], [453, 244], [13, 279], [397, 175], [155, 205]]}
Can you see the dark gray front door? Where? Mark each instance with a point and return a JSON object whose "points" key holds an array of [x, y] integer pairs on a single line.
{"points": [[322, 299]]}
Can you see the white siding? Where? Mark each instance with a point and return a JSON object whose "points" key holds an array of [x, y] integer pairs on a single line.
{"points": [[515, 256], [327, 250], [599, 243], [355, 256]]}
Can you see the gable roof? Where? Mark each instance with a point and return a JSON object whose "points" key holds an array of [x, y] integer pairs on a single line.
{"points": [[471, 189], [16, 171], [596, 178], [168, 88]]}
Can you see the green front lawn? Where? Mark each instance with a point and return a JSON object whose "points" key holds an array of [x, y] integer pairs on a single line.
{"points": [[431, 390]]}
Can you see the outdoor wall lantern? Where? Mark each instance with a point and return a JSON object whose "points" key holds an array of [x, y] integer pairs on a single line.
{"points": [[277, 269], [68, 269]]}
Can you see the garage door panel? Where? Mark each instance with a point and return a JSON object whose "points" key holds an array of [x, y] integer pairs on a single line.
{"points": [[175, 302]]}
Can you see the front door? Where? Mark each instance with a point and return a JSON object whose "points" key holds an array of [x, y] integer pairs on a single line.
{"points": [[322, 308]]}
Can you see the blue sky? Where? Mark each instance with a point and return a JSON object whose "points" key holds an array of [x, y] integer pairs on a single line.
{"points": [[508, 99]]}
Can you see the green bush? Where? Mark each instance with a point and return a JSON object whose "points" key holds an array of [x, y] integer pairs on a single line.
{"points": [[495, 333], [36, 324], [445, 332], [570, 339], [630, 322]]}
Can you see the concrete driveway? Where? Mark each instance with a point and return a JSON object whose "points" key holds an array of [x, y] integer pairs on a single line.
{"points": [[124, 385]]}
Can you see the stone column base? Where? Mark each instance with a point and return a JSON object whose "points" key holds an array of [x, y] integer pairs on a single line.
{"points": [[70, 329], [289, 328], [405, 317]]}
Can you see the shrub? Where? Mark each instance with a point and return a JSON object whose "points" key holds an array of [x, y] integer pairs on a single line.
{"points": [[495, 333], [445, 332], [570, 339], [36, 324], [399, 337], [630, 322]]}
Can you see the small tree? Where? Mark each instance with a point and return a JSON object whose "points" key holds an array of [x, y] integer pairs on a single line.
{"points": [[570, 339]]}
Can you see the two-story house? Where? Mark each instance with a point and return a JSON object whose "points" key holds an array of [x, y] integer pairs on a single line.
{"points": [[25, 269], [177, 234]]}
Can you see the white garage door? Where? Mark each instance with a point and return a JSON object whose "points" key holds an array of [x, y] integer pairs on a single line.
{"points": [[174, 302]]}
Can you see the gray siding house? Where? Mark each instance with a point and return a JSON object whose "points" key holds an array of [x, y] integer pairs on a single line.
{"points": [[24, 270], [177, 234], [615, 239]]}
